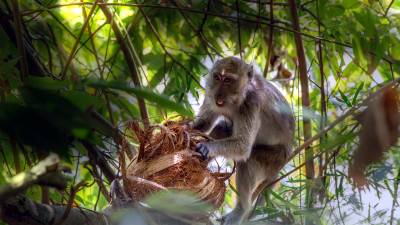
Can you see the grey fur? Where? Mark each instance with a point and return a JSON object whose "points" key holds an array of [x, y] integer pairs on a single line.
{"points": [[258, 135]]}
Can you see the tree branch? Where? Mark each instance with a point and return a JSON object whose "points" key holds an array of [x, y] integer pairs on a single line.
{"points": [[20, 42], [98, 159], [130, 61], [21, 210], [305, 98], [46, 172], [205, 13], [323, 131], [78, 39], [163, 46], [271, 35]]}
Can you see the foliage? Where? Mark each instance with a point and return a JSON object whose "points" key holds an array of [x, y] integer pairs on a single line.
{"points": [[173, 44]]}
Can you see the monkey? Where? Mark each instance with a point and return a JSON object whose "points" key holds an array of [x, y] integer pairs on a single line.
{"points": [[257, 130]]}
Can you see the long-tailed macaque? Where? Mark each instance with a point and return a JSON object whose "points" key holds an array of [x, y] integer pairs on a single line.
{"points": [[259, 131]]}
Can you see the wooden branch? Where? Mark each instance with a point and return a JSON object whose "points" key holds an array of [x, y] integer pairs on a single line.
{"points": [[100, 161], [130, 61], [323, 131], [99, 181], [271, 35], [38, 68], [324, 119], [163, 46], [305, 98], [116, 134], [204, 13], [63, 53], [198, 32], [21, 210], [35, 66], [203, 21], [267, 3], [46, 172], [73, 190], [78, 39], [387, 10], [15, 156], [19, 37], [238, 26]]}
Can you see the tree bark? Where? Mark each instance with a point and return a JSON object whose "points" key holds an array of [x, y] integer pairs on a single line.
{"points": [[21, 210], [305, 98]]}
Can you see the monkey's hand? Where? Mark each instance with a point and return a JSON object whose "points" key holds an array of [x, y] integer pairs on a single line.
{"points": [[200, 125], [203, 150]]}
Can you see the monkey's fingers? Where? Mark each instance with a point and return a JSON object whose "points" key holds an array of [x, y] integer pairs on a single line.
{"points": [[203, 150]]}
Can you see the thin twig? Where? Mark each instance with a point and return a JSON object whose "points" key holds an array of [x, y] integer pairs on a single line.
{"points": [[267, 3], [74, 190], [19, 37], [198, 31], [322, 132], [238, 27], [395, 194], [163, 46], [305, 98], [5, 161], [91, 39], [323, 120], [203, 21], [131, 63], [271, 35], [71, 55], [387, 10], [15, 156], [202, 12]]}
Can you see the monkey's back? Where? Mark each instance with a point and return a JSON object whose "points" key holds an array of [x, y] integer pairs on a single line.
{"points": [[277, 121]]}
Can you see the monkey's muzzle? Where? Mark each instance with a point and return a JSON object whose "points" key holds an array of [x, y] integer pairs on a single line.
{"points": [[220, 103]]}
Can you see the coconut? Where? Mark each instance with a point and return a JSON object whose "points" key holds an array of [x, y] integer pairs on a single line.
{"points": [[167, 160]]}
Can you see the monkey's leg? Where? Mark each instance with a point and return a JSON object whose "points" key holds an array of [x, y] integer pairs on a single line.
{"points": [[274, 157], [245, 184], [264, 165]]}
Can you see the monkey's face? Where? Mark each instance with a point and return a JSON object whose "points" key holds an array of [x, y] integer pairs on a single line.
{"points": [[223, 83], [228, 81]]}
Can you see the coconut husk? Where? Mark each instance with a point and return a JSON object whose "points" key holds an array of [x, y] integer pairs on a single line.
{"points": [[167, 160]]}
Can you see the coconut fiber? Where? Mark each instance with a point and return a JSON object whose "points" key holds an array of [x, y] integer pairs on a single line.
{"points": [[167, 160]]}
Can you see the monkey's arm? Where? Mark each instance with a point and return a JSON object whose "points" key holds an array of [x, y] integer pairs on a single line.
{"points": [[238, 147], [222, 130], [206, 119]]}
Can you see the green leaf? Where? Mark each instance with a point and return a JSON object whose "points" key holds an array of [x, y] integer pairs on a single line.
{"points": [[160, 100], [345, 99], [83, 100], [6, 67], [79, 199], [46, 83], [311, 211], [233, 188], [350, 68], [177, 202], [354, 102], [31, 127], [359, 46], [287, 203]]}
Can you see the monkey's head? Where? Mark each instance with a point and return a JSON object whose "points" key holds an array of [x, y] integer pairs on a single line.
{"points": [[228, 81]]}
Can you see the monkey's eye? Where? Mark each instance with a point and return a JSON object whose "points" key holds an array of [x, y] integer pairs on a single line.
{"points": [[226, 79], [216, 77]]}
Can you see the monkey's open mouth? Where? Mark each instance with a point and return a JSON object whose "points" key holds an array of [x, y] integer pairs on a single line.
{"points": [[220, 102]]}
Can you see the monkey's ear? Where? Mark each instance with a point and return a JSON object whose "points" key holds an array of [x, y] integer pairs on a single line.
{"points": [[250, 72]]}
